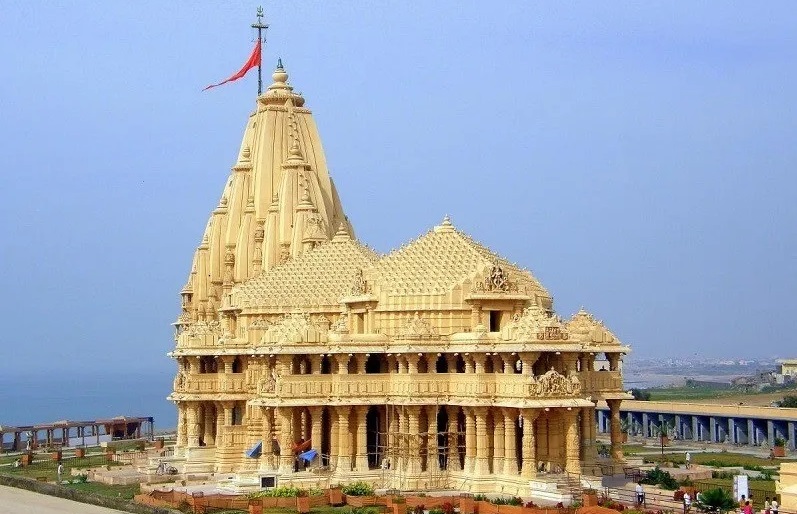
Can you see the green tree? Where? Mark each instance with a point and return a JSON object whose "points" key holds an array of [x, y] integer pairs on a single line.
{"points": [[640, 394], [715, 500], [788, 401]]}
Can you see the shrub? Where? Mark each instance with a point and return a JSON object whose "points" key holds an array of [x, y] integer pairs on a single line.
{"points": [[278, 492], [663, 479], [530, 505], [436, 510], [358, 489], [480, 498], [447, 508], [418, 509]]}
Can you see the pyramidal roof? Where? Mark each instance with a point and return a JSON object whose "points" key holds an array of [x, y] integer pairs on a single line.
{"points": [[318, 278], [278, 202], [445, 258]]}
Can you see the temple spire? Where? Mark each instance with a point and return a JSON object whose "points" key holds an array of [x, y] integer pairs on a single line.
{"points": [[261, 27]]}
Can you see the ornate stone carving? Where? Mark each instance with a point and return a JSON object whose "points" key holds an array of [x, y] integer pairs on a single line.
{"points": [[416, 327], [341, 325], [259, 324], [292, 328], [203, 328], [553, 383], [496, 281], [359, 286], [285, 252]]}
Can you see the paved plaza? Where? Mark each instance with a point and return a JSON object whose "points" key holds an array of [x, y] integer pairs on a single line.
{"points": [[20, 501]]}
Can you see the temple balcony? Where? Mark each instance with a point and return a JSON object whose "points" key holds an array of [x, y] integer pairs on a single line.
{"points": [[209, 383], [424, 388]]}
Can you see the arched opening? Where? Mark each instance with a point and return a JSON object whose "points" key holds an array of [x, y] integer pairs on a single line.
{"points": [[518, 441], [372, 437], [442, 437], [326, 366], [208, 364], [488, 365], [498, 364], [490, 422], [460, 364], [352, 366], [423, 365], [237, 414], [441, 364], [237, 365], [373, 364]]}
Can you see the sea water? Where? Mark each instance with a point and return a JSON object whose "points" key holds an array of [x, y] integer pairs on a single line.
{"points": [[36, 398]]}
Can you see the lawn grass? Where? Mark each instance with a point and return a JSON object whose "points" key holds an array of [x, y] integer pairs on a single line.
{"points": [[719, 460], [758, 489], [114, 491], [48, 468]]}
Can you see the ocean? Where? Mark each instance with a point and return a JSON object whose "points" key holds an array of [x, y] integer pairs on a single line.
{"points": [[42, 398]]}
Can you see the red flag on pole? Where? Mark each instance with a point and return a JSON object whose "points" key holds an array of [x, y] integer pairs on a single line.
{"points": [[254, 60]]}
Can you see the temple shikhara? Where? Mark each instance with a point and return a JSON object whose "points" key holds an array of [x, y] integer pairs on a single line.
{"points": [[306, 357]]}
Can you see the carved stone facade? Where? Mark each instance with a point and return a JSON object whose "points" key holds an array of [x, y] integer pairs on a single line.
{"points": [[436, 365]]}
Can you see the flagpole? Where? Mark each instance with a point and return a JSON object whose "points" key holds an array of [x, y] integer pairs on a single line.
{"points": [[260, 26]]}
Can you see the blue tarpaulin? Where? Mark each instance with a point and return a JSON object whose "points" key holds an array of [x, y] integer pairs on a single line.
{"points": [[254, 451], [308, 455]]}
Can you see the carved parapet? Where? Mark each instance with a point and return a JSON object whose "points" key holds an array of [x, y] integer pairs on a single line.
{"points": [[553, 383]]}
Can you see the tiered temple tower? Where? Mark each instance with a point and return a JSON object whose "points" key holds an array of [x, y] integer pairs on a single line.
{"points": [[439, 365]]}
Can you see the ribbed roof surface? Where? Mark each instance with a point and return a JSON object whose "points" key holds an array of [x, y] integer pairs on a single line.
{"points": [[318, 277], [440, 260]]}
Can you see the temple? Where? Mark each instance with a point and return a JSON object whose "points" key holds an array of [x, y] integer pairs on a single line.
{"points": [[305, 356]]}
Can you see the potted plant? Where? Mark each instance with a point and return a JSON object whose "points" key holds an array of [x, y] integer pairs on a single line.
{"points": [[57, 455], [80, 452], [302, 502], [27, 459], [779, 449], [336, 496], [589, 497]]}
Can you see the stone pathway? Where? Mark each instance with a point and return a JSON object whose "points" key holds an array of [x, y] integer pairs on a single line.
{"points": [[20, 501]]}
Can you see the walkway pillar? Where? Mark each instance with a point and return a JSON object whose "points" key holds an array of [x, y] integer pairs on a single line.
{"points": [[453, 463], [470, 439], [285, 438], [361, 452], [208, 434], [481, 466], [510, 448], [572, 460], [498, 440], [182, 425], [267, 435], [413, 429], [432, 451], [616, 434], [529, 465]]}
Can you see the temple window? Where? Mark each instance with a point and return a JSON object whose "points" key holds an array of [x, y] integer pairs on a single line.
{"points": [[488, 365], [237, 365], [352, 366], [441, 366], [495, 321], [208, 364]]}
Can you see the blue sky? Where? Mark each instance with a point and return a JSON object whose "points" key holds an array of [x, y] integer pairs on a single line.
{"points": [[638, 157]]}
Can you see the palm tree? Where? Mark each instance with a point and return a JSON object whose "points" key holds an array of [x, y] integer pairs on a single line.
{"points": [[715, 500]]}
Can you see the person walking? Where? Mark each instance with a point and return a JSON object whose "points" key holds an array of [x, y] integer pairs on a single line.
{"points": [[60, 471], [773, 506], [688, 503], [748, 509], [688, 460], [640, 494]]}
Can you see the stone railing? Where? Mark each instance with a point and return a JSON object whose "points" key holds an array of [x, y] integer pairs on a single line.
{"points": [[212, 383], [434, 387]]}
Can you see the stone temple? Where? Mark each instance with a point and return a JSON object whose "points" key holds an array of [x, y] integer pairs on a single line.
{"points": [[440, 365]]}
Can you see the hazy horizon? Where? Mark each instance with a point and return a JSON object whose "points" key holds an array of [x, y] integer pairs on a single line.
{"points": [[638, 158]]}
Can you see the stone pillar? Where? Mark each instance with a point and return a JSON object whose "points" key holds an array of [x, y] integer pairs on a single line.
{"points": [[182, 425], [334, 440], [614, 361], [361, 452], [344, 439], [209, 435], [402, 441], [414, 458], [498, 441], [510, 450], [479, 360], [529, 465], [469, 366], [342, 361], [770, 433], [453, 463], [588, 429], [267, 455], [509, 361], [527, 360], [285, 439], [732, 431], [470, 439], [616, 433], [316, 428], [432, 452], [412, 363], [451, 362], [315, 364], [481, 466], [572, 460], [193, 425]]}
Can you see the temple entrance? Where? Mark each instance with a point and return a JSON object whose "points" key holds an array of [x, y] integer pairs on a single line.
{"points": [[372, 437]]}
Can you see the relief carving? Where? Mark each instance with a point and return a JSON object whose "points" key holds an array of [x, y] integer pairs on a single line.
{"points": [[416, 328], [553, 383]]}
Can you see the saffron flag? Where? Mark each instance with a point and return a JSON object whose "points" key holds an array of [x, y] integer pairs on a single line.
{"points": [[254, 60]]}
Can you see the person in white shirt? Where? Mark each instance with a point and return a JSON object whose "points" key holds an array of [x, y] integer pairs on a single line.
{"points": [[773, 506], [688, 460], [640, 494], [687, 502], [60, 471]]}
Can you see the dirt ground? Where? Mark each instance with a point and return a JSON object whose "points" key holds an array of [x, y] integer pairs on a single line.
{"points": [[20, 501], [760, 399]]}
